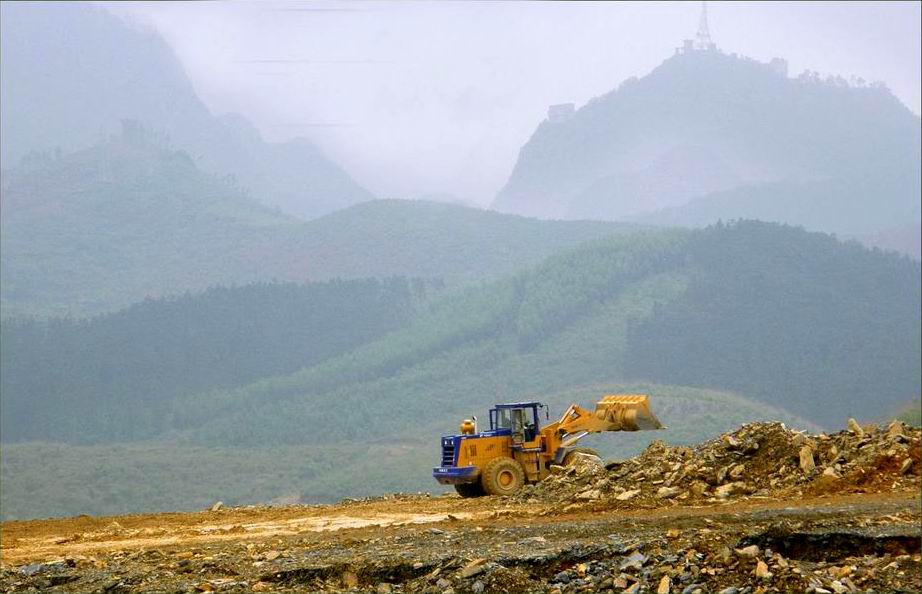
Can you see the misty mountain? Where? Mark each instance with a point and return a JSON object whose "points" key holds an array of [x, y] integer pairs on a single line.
{"points": [[740, 136], [128, 219], [846, 204], [102, 228], [72, 71]]}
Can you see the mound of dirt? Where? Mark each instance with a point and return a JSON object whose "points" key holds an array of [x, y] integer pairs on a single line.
{"points": [[758, 459]]}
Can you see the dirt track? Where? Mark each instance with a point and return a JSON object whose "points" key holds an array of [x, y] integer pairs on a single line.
{"points": [[438, 544]]}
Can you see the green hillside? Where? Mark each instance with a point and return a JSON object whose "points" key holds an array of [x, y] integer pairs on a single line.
{"points": [[100, 229], [768, 321], [711, 308], [46, 479], [823, 329], [109, 378]]}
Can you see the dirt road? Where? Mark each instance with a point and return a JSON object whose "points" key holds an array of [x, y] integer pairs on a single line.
{"points": [[858, 542]]}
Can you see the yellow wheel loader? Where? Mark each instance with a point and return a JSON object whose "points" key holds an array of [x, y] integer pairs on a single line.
{"points": [[517, 450]]}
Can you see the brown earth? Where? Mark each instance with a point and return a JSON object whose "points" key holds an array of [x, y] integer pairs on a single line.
{"points": [[857, 531]]}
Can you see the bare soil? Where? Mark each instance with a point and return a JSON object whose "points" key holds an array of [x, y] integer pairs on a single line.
{"points": [[410, 543]]}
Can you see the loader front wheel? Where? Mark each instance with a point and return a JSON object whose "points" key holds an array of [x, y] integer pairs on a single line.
{"points": [[502, 476], [470, 490]]}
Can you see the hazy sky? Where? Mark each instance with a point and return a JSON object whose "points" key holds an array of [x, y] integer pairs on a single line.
{"points": [[426, 97]]}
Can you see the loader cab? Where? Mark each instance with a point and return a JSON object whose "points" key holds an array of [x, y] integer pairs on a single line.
{"points": [[520, 418]]}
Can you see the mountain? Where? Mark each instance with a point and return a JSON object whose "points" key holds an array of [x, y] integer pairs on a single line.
{"points": [[722, 325], [710, 136], [130, 218], [841, 204], [72, 71]]}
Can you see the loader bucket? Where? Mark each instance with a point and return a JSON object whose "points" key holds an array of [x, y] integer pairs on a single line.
{"points": [[630, 412]]}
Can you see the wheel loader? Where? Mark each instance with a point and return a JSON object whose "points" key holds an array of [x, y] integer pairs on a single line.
{"points": [[517, 450]]}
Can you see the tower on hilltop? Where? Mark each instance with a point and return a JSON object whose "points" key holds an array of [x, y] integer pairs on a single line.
{"points": [[703, 37], [702, 40]]}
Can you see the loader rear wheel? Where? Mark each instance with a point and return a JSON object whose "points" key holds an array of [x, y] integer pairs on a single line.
{"points": [[502, 476], [470, 490]]}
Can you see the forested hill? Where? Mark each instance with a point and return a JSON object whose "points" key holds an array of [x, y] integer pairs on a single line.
{"points": [[128, 219], [798, 319], [711, 308], [705, 122], [704, 321], [112, 377], [72, 71], [131, 218]]}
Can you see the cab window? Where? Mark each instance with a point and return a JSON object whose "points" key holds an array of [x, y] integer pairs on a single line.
{"points": [[516, 419], [503, 419]]}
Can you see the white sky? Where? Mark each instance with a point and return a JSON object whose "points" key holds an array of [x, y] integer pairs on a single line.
{"points": [[428, 97]]}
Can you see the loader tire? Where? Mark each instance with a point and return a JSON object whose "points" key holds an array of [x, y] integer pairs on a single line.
{"points": [[470, 490], [502, 476]]}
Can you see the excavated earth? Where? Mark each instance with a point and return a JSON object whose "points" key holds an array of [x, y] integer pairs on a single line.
{"points": [[805, 513]]}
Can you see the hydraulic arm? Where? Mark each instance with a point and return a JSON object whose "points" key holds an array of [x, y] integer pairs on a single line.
{"points": [[624, 412]]}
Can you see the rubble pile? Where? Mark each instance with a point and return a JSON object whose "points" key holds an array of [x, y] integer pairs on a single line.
{"points": [[758, 460]]}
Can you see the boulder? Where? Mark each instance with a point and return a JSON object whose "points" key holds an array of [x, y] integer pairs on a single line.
{"points": [[806, 459], [855, 428]]}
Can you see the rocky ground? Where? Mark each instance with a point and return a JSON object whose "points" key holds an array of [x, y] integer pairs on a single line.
{"points": [[760, 459], [762, 509]]}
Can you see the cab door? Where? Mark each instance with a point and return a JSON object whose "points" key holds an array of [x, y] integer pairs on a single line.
{"points": [[526, 442], [518, 426]]}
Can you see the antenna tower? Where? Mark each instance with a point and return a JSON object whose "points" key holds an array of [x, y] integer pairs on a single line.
{"points": [[703, 37]]}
